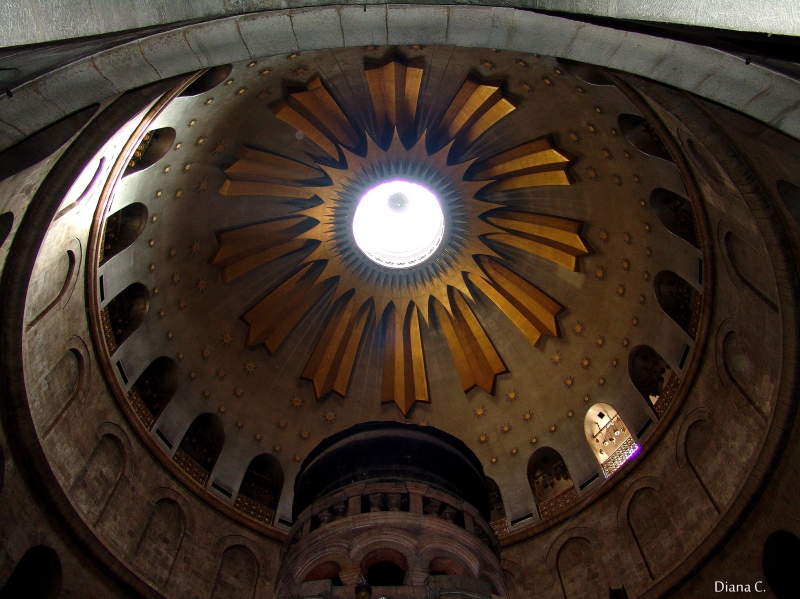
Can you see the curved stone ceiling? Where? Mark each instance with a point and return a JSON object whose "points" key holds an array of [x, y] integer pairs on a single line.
{"points": [[230, 235]]}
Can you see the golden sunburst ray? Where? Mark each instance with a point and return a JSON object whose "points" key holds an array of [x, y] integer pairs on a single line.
{"points": [[337, 273]]}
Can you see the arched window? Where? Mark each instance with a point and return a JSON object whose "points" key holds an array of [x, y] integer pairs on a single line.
{"points": [[497, 520], [126, 312], [201, 446], [652, 377], [550, 482], [642, 136], [681, 302], [611, 441], [675, 213], [154, 389], [154, 145], [261, 488], [208, 80], [36, 576], [122, 228]]}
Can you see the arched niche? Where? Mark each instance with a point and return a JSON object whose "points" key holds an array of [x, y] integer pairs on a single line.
{"points": [[779, 560], [641, 135], [384, 568], [154, 145], [650, 374], [161, 538], [497, 518], [790, 194], [157, 385], [585, 72], [208, 80], [36, 576], [580, 568], [610, 439], [550, 482], [123, 228], [127, 311], [675, 213], [327, 570], [98, 479], [237, 575], [44, 142], [203, 442], [261, 488], [6, 224], [679, 300]]}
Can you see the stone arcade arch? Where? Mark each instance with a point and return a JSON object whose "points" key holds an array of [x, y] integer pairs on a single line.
{"points": [[550, 482], [121, 229], [261, 488], [676, 214], [679, 300], [497, 520], [641, 135], [152, 148], [653, 378], [127, 311], [611, 441], [201, 446], [154, 389]]}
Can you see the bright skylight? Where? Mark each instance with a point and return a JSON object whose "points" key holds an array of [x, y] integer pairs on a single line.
{"points": [[398, 224]]}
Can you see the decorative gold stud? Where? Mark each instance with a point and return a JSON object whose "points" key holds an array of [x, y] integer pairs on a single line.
{"points": [[330, 416], [527, 416], [600, 341], [297, 402], [505, 428], [556, 358], [483, 438], [249, 367], [227, 339], [480, 411], [586, 363], [604, 236]]}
